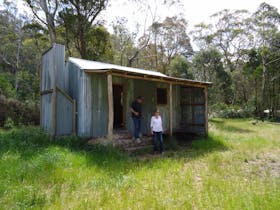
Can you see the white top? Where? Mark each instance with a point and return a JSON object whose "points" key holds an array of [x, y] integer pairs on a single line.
{"points": [[156, 124]]}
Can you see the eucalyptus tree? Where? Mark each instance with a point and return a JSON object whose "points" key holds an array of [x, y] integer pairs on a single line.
{"points": [[208, 66], [122, 41], [173, 40], [266, 23], [168, 39], [229, 32], [49, 9], [11, 39], [78, 17]]}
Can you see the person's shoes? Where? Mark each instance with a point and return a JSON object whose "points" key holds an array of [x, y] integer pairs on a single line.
{"points": [[138, 141]]}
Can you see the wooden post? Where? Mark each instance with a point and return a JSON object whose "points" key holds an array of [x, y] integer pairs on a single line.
{"points": [[206, 110], [170, 110], [40, 86], [54, 95], [110, 107], [74, 116]]}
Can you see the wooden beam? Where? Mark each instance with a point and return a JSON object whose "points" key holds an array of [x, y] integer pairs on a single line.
{"points": [[152, 78], [159, 80], [206, 110], [74, 116], [40, 86], [110, 107], [170, 110], [54, 95], [97, 71], [65, 94], [45, 92]]}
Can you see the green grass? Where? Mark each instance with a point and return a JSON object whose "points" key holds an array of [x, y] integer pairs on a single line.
{"points": [[236, 167]]}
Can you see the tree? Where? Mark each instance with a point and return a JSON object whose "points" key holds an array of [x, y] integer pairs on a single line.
{"points": [[266, 22], [99, 44], [78, 17], [180, 67], [50, 9], [208, 66], [11, 39], [229, 33], [173, 40], [147, 39], [122, 41]]}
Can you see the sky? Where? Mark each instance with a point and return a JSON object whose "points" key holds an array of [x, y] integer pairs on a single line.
{"points": [[194, 11]]}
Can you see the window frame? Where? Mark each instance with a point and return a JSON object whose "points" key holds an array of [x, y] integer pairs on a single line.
{"points": [[162, 101]]}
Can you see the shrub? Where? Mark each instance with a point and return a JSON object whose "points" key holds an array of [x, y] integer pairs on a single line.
{"points": [[9, 123], [18, 112], [230, 111]]}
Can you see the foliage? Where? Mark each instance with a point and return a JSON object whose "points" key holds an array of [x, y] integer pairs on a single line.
{"points": [[99, 44], [9, 123], [236, 167], [208, 66], [77, 17], [6, 85], [229, 111], [18, 112], [180, 67]]}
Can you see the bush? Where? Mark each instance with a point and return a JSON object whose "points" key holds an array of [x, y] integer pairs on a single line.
{"points": [[6, 85], [18, 112], [9, 123], [229, 111]]}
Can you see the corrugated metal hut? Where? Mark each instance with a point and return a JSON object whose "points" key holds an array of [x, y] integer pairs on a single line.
{"points": [[92, 99]]}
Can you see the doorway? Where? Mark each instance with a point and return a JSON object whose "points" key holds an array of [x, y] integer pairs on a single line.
{"points": [[119, 101]]}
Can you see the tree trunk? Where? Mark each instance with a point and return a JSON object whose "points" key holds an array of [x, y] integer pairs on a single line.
{"points": [[263, 85], [256, 96], [17, 64]]}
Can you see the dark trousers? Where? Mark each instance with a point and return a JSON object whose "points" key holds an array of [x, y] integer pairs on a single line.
{"points": [[157, 136], [137, 126]]}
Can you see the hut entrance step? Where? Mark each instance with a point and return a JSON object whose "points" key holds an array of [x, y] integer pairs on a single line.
{"points": [[124, 140]]}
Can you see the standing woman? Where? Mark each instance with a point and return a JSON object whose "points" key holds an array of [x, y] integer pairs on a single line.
{"points": [[156, 130]]}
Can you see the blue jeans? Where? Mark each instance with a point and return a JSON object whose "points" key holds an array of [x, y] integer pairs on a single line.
{"points": [[158, 137], [137, 126]]}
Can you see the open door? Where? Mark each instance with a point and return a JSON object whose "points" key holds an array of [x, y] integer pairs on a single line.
{"points": [[118, 98]]}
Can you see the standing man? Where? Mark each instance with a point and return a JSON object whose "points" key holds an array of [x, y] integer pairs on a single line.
{"points": [[136, 112]]}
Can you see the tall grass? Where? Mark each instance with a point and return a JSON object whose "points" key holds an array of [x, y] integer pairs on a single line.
{"points": [[236, 167]]}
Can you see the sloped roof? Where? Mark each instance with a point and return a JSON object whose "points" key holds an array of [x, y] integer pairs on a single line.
{"points": [[92, 66]]}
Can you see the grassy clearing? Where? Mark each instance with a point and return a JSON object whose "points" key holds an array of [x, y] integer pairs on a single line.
{"points": [[237, 167]]}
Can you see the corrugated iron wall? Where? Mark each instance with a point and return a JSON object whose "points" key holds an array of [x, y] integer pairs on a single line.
{"points": [[47, 84], [97, 104], [193, 110], [53, 75], [76, 90], [64, 115], [188, 104], [46, 112], [176, 99]]}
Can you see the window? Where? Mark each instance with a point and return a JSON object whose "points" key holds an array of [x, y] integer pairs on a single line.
{"points": [[161, 96]]}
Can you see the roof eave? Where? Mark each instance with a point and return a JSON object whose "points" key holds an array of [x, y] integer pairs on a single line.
{"points": [[147, 76]]}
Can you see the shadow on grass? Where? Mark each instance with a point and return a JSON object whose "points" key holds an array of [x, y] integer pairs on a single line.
{"points": [[193, 147], [32, 142]]}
